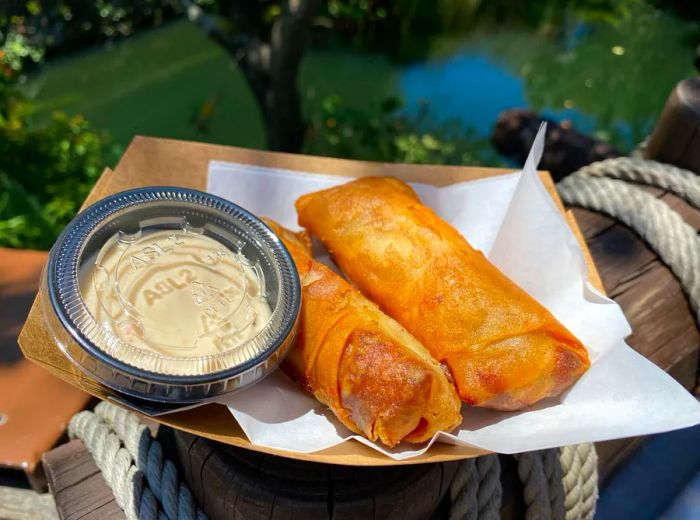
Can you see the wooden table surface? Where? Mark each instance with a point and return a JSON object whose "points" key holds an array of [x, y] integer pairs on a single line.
{"points": [[34, 405]]}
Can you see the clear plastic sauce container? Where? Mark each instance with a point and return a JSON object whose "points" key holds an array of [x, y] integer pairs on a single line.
{"points": [[171, 295]]}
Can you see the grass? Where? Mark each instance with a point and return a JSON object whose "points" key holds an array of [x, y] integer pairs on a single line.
{"points": [[156, 83]]}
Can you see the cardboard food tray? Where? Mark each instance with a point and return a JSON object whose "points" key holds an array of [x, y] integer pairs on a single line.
{"points": [[164, 162]]}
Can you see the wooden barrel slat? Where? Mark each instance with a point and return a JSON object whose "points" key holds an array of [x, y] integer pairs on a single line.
{"points": [[202, 451], [184, 445], [223, 486], [355, 506], [232, 482]]}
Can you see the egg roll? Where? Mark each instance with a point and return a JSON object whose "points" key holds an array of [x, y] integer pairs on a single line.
{"points": [[376, 378], [504, 350]]}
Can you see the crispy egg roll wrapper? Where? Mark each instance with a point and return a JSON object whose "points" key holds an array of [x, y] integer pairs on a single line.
{"points": [[375, 377], [504, 349]]}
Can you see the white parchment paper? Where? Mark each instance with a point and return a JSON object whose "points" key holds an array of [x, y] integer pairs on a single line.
{"points": [[515, 222]]}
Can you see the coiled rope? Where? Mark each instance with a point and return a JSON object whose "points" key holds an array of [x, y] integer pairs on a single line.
{"points": [[476, 489], [597, 187], [127, 454], [683, 183], [557, 484], [579, 463]]}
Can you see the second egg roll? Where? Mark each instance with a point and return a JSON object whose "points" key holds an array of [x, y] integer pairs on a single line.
{"points": [[504, 349], [375, 377]]}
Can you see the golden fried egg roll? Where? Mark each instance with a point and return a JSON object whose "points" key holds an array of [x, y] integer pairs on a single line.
{"points": [[504, 349], [375, 377]]}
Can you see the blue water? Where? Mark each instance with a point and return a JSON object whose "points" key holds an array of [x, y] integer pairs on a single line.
{"points": [[472, 89], [466, 87]]}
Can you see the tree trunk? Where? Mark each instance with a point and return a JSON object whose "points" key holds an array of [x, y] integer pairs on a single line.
{"points": [[284, 125], [282, 108], [270, 68]]}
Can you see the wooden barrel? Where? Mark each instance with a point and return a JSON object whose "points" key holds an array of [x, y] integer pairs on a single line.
{"points": [[237, 483], [676, 137]]}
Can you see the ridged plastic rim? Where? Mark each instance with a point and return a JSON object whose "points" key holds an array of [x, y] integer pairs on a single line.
{"points": [[67, 303]]}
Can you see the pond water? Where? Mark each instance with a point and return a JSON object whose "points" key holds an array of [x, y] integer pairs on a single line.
{"points": [[467, 86], [473, 89], [611, 80], [608, 79]]}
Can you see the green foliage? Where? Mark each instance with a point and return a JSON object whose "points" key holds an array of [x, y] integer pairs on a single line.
{"points": [[45, 174], [404, 28], [46, 171], [619, 74], [16, 49], [400, 28], [66, 25], [386, 135], [541, 14]]}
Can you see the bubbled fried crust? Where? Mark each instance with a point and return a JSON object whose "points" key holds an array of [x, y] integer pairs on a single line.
{"points": [[375, 377], [504, 349], [383, 388]]}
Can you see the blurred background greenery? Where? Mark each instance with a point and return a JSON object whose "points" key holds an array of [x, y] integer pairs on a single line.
{"points": [[417, 81]]}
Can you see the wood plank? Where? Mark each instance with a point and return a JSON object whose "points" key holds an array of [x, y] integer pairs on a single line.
{"points": [[77, 484], [664, 328], [676, 136]]}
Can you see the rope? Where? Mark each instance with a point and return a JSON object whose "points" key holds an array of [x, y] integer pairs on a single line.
{"points": [[683, 183], [113, 460], [579, 464], [463, 492], [558, 484], [476, 489], [536, 488], [676, 242], [147, 453], [125, 452], [490, 492], [554, 474]]}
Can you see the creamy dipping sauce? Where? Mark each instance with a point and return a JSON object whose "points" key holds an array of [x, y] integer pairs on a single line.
{"points": [[173, 293]]}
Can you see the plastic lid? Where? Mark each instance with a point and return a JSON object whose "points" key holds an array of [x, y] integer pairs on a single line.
{"points": [[171, 294]]}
